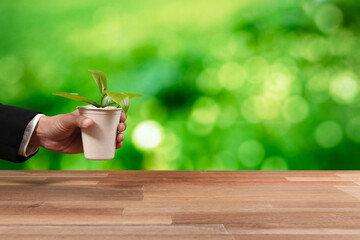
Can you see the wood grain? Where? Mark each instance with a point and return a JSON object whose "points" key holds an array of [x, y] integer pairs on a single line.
{"points": [[220, 205]]}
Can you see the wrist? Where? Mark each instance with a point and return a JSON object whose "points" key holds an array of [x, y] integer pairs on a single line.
{"points": [[38, 134]]}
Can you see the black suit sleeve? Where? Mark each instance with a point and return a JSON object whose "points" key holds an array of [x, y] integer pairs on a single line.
{"points": [[13, 121]]}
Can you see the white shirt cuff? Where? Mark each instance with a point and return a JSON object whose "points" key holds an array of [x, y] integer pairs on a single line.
{"points": [[25, 149]]}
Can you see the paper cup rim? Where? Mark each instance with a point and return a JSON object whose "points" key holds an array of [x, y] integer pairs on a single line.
{"points": [[98, 109]]}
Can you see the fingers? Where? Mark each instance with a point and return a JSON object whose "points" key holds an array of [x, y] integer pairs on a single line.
{"points": [[123, 117], [70, 121], [120, 137], [121, 127], [119, 145]]}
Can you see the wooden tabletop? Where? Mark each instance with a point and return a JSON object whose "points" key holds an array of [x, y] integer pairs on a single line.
{"points": [[179, 205]]}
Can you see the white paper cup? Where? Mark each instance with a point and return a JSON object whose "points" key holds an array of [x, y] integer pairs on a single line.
{"points": [[99, 141]]}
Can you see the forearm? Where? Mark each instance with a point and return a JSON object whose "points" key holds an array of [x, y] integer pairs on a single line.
{"points": [[13, 122]]}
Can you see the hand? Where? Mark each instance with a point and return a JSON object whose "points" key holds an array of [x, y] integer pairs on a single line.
{"points": [[62, 133]]}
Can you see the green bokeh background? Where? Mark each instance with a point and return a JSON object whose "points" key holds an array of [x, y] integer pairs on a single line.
{"points": [[227, 85]]}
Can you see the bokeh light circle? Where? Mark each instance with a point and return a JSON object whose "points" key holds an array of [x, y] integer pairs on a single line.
{"points": [[207, 81], [314, 48], [231, 76], [344, 88], [328, 18], [251, 153], [203, 116], [328, 134], [266, 108], [278, 85], [147, 135], [227, 117], [295, 109], [274, 163]]}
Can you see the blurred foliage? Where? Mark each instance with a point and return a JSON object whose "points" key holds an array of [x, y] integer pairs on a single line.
{"points": [[227, 84]]}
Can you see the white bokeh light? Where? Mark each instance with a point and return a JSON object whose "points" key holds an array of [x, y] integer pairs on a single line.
{"points": [[344, 88], [147, 135]]}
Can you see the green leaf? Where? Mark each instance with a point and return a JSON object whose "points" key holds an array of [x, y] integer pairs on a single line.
{"points": [[133, 95], [107, 101], [100, 80], [76, 97], [120, 98]]}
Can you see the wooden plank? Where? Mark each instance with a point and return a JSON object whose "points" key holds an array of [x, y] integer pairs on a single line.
{"points": [[37, 211], [318, 179], [20, 204], [314, 204], [351, 190], [350, 176], [196, 229], [230, 210], [82, 219], [236, 230], [247, 193], [69, 193], [206, 206], [25, 173], [49, 183], [295, 237], [259, 220], [122, 237]]}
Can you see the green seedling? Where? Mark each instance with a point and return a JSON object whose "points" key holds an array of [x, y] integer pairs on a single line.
{"points": [[107, 98]]}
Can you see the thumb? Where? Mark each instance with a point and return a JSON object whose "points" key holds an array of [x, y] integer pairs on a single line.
{"points": [[84, 122], [72, 121]]}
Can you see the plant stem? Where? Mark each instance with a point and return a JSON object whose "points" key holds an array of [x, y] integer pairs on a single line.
{"points": [[102, 98]]}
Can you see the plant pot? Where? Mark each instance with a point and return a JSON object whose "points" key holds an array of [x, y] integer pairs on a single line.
{"points": [[99, 141]]}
